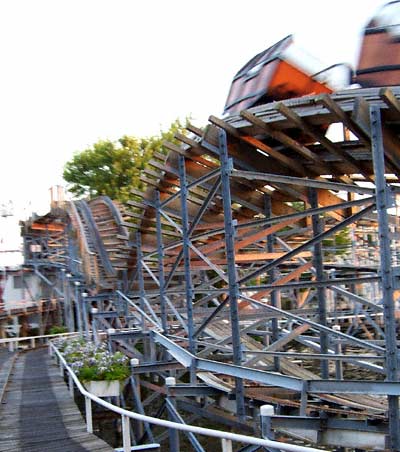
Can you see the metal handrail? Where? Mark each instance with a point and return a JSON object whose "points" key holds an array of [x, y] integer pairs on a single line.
{"points": [[126, 415], [12, 340]]}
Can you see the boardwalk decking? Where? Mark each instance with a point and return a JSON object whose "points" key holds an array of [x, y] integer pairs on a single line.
{"points": [[38, 414], [6, 363]]}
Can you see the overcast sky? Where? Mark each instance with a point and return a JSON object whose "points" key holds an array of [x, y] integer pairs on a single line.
{"points": [[76, 71]]}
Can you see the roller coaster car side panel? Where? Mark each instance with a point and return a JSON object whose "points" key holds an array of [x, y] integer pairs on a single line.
{"points": [[277, 80], [379, 61], [274, 74]]}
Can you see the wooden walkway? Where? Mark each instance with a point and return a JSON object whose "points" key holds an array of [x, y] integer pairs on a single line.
{"points": [[6, 363], [38, 413]]}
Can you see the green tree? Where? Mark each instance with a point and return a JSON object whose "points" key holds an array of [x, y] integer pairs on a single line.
{"points": [[113, 168]]}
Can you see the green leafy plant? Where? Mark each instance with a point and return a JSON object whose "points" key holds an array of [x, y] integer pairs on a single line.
{"points": [[57, 329], [93, 362]]}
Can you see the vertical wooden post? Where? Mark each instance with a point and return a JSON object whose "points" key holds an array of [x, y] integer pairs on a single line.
{"points": [[126, 434], [88, 413], [226, 445]]}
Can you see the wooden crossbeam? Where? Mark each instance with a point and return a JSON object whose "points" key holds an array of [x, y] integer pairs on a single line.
{"points": [[284, 280], [280, 136], [387, 95], [254, 142], [319, 136]]}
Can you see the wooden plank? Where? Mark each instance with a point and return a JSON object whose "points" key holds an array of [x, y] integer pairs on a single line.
{"points": [[139, 205], [346, 119], [285, 279], [194, 129], [39, 413], [286, 161], [281, 137], [387, 95], [218, 244], [261, 234], [317, 135], [243, 258], [136, 192]]}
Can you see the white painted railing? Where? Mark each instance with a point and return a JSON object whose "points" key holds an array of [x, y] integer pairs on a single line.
{"points": [[12, 342], [226, 437]]}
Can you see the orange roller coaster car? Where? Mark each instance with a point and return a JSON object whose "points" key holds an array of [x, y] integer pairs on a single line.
{"points": [[283, 71]]}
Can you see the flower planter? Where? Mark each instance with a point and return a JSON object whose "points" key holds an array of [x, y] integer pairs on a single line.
{"points": [[104, 388]]}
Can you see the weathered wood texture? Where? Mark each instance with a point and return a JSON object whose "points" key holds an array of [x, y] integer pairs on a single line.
{"points": [[6, 362], [39, 414]]}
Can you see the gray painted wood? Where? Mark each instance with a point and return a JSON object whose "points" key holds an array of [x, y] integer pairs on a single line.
{"points": [[39, 414]]}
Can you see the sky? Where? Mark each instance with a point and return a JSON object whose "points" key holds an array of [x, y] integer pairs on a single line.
{"points": [[77, 71]]}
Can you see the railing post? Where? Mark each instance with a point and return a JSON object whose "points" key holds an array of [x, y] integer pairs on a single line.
{"points": [[71, 385], [226, 445], [126, 434], [88, 413], [135, 382], [61, 368], [266, 411], [11, 347], [110, 331], [33, 343]]}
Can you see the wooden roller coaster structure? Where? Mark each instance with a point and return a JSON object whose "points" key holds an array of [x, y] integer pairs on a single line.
{"points": [[259, 266]]}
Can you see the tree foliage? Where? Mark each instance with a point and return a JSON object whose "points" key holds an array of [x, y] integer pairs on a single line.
{"points": [[113, 168]]}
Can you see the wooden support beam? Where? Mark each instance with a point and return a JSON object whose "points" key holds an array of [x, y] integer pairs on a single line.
{"points": [[282, 159], [242, 258], [319, 136], [387, 95], [195, 146], [285, 279], [48, 227], [194, 129], [210, 247], [261, 235], [136, 192], [344, 118], [280, 136]]}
